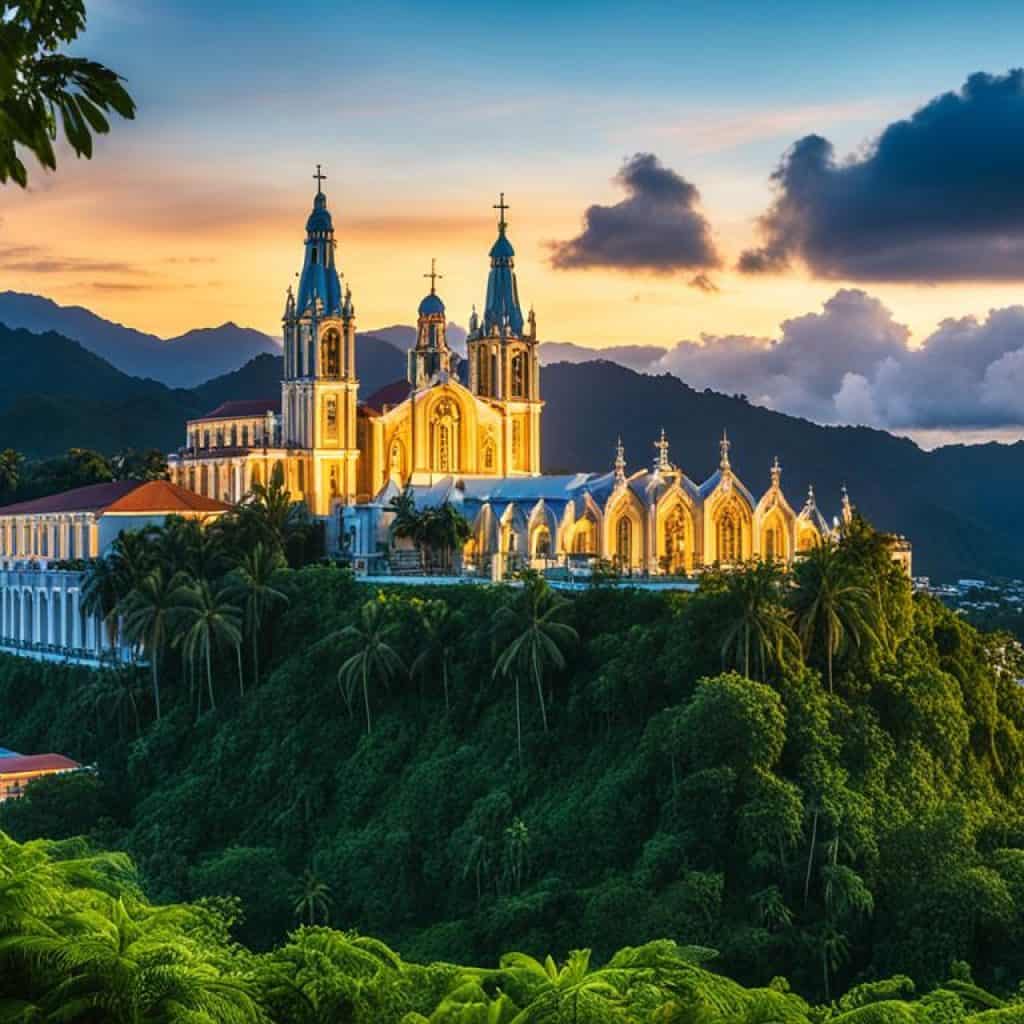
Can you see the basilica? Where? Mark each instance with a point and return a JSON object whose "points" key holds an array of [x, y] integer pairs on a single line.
{"points": [[467, 431]]}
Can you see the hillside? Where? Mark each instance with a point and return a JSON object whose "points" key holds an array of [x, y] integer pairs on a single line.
{"points": [[665, 795], [54, 394], [183, 361]]}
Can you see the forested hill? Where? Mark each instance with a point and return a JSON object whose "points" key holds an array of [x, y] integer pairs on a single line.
{"points": [[689, 769], [943, 500]]}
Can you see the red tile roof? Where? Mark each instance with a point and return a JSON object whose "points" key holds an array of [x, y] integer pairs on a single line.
{"points": [[120, 496], [36, 763], [245, 408], [91, 498], [391, 394], [161, 496]]}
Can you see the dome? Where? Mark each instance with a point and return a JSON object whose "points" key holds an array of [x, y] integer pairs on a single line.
{"points": [[432, 305], [320, 218], [502, 248]]}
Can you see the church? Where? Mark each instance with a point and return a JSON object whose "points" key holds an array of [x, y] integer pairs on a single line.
{"points": [[468, 432]]}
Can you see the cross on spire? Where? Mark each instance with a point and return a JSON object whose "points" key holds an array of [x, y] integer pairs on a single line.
{"points": [[723, 446], [620, 461], [320, 178], [501, 206], [433, 275], [776, 472]]}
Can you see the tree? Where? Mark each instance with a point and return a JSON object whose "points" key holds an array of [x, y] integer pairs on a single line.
{"points": [[10, 470], [210, 621], [150, 611], [757, 619], [436, 643], [37, 83], [830, 605], [131, 464], [259, 582], [101, 594], [270, 509], [312, 900], [538, 641], [375, 660]]}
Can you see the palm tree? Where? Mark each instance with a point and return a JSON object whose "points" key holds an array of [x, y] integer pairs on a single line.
{"points": [[375, 658], [757, 621], [312, 899], [258, 581], [101, 594], [150, 611], [209, 621], [10, 470], [408, 523], [538, 642], [436, 644], [271, 511], [830, 603]]}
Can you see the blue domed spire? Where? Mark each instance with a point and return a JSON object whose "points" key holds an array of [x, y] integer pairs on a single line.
{"points": [[501, 310], [319, 279]]}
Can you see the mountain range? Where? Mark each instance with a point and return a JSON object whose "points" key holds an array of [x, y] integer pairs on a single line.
{"points": [[958, 504]]}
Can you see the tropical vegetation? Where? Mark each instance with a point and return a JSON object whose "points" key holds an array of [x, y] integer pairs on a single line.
{"points": [[816, 773]]}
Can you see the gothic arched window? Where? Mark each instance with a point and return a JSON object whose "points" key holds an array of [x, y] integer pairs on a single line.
{"points": [[330, 356], [542, 542], [519, 376], [675, 540], [489, 456], [730, 536], [395, 460], [445, 431], [624, 541]]}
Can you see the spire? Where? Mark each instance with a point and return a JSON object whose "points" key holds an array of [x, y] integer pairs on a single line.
{"points": [[723, 447], [776, 473], [433, 275], [502, 312], [474, 321], [319, 277], [661, 463], [810, 505], [847, 507], [620, 462], [430, 355]]}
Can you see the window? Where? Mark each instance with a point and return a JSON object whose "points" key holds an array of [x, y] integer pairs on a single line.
{"points": [[245, 436], [395, 460], [445, 437], [542, 543], [519, 376], [675, 540], [517, 442], [624, 541], [444, 447], [331, 416], [730, 537], [489, 456], [330, 354]]}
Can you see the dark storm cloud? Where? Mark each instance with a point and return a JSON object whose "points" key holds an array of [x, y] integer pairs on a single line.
{"points": [[656, 228], [938, 197]]}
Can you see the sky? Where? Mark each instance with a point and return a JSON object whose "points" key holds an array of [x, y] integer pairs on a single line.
{"points": [[812, 204]]}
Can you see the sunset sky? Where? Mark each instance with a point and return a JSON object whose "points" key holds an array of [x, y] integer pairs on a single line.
{"points": [[671, 117]]}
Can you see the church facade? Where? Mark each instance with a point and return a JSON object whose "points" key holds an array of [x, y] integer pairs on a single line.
{"points": [[468, 432]]}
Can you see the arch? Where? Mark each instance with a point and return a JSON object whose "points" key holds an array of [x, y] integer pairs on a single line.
{"points": [[540, 542], [330, 353], [675, 533], [624, 545], [731, 523], [583, 540], [774, 536], [808, 536], [396, 459], [445, 440]]}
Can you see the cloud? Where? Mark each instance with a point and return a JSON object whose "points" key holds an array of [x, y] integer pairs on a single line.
{"points": [[33, 259], [851, 363], [657, 228], [934, 198]]}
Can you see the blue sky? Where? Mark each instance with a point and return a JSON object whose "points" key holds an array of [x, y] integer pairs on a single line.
{"points": [[421, 113]]}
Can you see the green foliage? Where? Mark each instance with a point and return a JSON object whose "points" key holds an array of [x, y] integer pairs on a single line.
{"points": [[38, 83], [829, 837]]}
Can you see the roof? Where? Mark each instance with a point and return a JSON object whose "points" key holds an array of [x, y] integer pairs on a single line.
{"points": [[431, 305], [91, 498], [22, 763], [4, 752], [161, 496], [248, 408], [120, 496], [391, 394]]}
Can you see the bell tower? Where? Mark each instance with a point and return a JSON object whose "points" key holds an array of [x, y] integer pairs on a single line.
{"points": [[503, 366], [431, 355], [320, 387]]}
